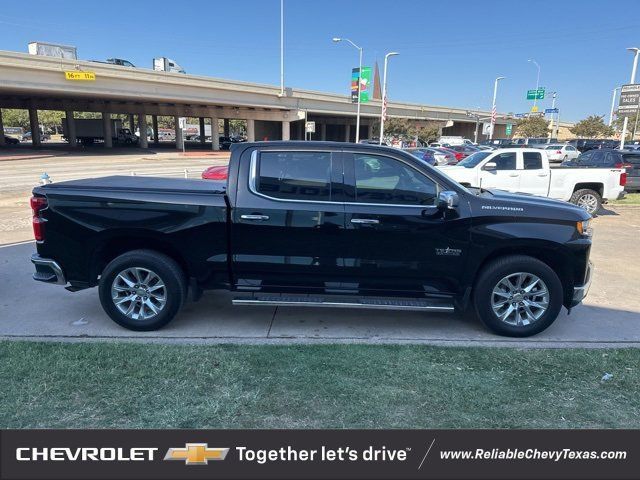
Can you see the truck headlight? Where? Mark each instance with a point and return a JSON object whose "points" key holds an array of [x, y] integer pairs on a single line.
{"points": [[584, 228]]}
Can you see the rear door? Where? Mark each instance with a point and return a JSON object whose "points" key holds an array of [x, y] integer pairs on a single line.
{"points": [[534, 178], [288, 220]]}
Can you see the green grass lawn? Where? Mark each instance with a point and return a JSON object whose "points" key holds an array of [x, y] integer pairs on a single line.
{"points": [[629, 199], [101, 385]]}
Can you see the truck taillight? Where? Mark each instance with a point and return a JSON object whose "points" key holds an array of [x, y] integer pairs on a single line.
{"points": [[37, 205], [623, 179], [559, 152]]}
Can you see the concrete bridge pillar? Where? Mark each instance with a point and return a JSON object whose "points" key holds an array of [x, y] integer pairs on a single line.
{"points": [[35, 127], [132, 123], [154, 126], [71, 128], [179, 138], [107, 130], [202, 131], [2, 141], [347, 133], [251, 130], [226, 127], [215, 134], [142, 123], [286, 130], [323, 131]]}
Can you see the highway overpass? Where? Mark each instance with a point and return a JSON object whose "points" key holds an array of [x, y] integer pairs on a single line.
{"points": [[39, 83]]}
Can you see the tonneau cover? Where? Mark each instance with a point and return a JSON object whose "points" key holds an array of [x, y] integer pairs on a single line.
{"points": [[146, 184]]}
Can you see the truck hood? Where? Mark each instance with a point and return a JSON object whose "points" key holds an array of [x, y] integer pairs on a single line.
{"points": [[530, 205]]}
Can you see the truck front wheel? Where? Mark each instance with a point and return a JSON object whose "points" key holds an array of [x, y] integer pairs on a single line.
{"points": [[518, 296], [588, 199], [142, 290]]}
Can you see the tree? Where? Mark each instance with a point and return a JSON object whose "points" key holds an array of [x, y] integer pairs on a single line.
{"points": [[405, 129], [532, 127], [15, 117], [592, 127]]}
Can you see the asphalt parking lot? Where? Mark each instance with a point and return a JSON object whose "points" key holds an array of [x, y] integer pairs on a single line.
{"points": [[610, 316]]}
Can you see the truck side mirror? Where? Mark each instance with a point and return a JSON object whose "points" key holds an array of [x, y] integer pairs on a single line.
{"points": [[448, 200], [490, 166]]}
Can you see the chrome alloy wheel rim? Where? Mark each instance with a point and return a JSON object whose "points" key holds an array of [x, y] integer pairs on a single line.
{"points": [[520, 299], [588, 202], [138, 293]]}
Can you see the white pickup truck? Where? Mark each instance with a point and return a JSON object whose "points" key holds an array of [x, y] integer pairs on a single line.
{"points": [[526, 170]]}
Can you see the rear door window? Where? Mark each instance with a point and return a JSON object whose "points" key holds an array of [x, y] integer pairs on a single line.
{"points": [[295, 175], [532, 160]]}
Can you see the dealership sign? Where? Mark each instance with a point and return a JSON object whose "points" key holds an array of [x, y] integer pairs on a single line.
{"points": [[629, 100]]}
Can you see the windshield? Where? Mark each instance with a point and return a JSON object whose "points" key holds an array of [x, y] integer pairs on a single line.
{"points": [[474, 159]]}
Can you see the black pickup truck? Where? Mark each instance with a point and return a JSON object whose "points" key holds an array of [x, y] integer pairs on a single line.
{"points": [[314, 224]]}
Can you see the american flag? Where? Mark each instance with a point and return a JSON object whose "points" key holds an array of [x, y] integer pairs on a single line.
{"points": [[493, 115], [384, 107]]}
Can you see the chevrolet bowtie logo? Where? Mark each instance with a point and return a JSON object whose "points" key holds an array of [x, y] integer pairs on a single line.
{"points": [[196, 454]]}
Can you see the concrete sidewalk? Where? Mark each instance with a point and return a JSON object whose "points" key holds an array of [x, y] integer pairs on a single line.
{"points": [[35, 311]]}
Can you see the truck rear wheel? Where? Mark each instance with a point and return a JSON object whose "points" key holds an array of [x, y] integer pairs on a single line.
{"points": [[518, 296], [588, 199], [142, 290]]}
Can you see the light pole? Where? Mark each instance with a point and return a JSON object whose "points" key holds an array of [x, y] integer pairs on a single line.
{"points": [[535, 98], [493, 106], [633, 80], [383, 113], [613, 104], [336, 40], [553, 107], [282, 48]]}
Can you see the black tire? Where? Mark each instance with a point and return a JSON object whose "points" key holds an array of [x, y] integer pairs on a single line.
{"points": [[583, 193], [502, 267], [164, 267]]}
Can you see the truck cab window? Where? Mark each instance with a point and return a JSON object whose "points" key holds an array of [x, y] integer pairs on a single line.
{"points": [[532, 160], [295, 175], [385, 180], [505, 161]]}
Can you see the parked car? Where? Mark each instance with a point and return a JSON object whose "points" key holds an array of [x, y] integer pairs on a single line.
{"points": [[424, 154], [449, 156], [586, 144], [496, 142], [457, 156], [11, 140], [561, 152], [527, 170], [225, 143], [217, 172], [43, 136], [465, 150], [279, 229], [629, 160]]}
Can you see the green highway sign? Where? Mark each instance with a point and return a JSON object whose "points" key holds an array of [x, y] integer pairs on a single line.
{"points": [[535, 94]]}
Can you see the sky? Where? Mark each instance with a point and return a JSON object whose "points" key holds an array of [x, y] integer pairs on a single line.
{"points": [[450, 51]]}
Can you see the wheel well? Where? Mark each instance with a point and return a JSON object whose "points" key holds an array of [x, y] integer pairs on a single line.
{"points": [[119, 245], [596, 187], [556, 260]]}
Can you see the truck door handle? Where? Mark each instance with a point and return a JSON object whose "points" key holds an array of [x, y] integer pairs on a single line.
{"points": [[542, 174], [259, 218], [365, 221], [514, 174]]}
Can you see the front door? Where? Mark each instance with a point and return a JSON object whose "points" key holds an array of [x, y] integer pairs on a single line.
{"points": [[286, 224], [505, 174], [397, 241]]}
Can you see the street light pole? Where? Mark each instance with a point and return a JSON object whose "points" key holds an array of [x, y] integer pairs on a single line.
{"points": [[383, 112], [633, 80], [493, 106], [613, 103], [553, 106], [338, 39], [535, 98], [282, 48]]}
